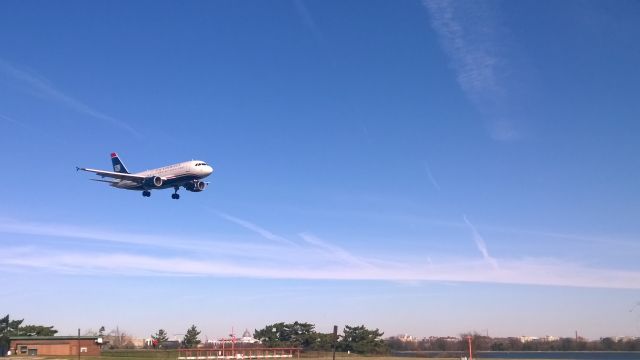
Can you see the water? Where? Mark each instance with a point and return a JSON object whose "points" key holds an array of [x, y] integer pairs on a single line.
{"points": [[573, 355]]}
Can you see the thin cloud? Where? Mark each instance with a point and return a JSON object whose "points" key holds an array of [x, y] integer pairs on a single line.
{"points": [[96, 235], [604, 239], [307, 19], [331, 251], [257, 229], [601, 239], [334, 251], [431, 177], [528, 271], [12, 120], [47, 90], [481, 244], [313, 259], [26, 126], [468, 35]]}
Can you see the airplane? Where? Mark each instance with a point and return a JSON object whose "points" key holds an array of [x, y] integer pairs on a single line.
{"points": [[188, 174]]}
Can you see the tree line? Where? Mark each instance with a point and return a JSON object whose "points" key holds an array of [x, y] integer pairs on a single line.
{"points": [[355, 339], [486, 343]]}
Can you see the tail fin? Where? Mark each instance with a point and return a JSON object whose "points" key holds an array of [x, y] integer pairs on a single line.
{"points": [[118, 166]]}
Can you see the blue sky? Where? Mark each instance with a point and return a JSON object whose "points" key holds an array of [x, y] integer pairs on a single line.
{"points": [[425, 167]]}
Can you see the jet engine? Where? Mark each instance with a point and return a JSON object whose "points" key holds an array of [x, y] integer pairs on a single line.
{"points": [[153, 181], [195, 185]]}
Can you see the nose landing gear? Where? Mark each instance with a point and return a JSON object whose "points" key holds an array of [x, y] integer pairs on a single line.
{"points": [[146, 193]]}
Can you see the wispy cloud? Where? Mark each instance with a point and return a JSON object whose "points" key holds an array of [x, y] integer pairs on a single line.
{"points": [[318, 246], [334, 251], [630, 242], [480, 243], [431, 177], [307, 19], [11, 120], [211, 245], [313, 259], [45, 89], [257, 229], [34, 131], [528, 271], [468, 34], [581, 238]]}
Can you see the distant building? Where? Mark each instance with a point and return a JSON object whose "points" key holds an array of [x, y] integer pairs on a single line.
{"points": [[406, 338], [525, 339], [138, 343], [55, 345], [624, 338], [547, 338], [247, 338], [170, 344], [445, 338]]}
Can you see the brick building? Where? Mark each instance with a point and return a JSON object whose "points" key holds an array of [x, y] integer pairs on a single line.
{"points": [[54, 345]]}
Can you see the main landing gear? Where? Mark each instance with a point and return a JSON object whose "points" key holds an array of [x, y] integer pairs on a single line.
{"points": [[175, 195]]}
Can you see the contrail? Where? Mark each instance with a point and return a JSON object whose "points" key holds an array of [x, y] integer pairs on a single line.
{"points": [[257, 229], [431, 177], [45, 89], [11, 120], [482, 246], [467, 32]]}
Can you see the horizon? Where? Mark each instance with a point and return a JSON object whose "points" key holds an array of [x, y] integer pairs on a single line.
{"points": [[410, 337], [421, 167]]}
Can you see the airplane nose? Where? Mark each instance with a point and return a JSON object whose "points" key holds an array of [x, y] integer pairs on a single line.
{"points": [[209, 170]]}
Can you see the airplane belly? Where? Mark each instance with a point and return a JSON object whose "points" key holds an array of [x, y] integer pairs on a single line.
{"points": [[128, 185], [179, 180]]}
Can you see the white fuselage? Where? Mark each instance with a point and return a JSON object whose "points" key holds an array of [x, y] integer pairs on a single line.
{"points": [[171, 175]]}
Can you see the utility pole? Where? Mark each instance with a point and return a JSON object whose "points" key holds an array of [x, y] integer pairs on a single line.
{"points": [[470, 350], [335, 340], [78, 343]]}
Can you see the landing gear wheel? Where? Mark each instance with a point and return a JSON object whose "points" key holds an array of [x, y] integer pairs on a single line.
{"points": [[175, 196], [146, 193]]}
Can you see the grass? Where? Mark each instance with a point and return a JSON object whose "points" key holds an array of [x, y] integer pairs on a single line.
{"points": [[173, 355], [169, 355]]}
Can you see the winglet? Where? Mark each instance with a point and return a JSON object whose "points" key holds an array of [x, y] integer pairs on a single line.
{"points": [[77, 168]]}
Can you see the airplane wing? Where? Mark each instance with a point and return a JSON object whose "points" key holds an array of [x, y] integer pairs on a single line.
{"points": [[106, 181], [115, 175]]}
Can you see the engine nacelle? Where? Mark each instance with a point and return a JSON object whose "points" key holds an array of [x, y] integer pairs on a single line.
{"points": [[195, 185], [154, 181]]}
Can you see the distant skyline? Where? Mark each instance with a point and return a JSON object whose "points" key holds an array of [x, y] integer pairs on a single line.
{"points": [[421, 167]]}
